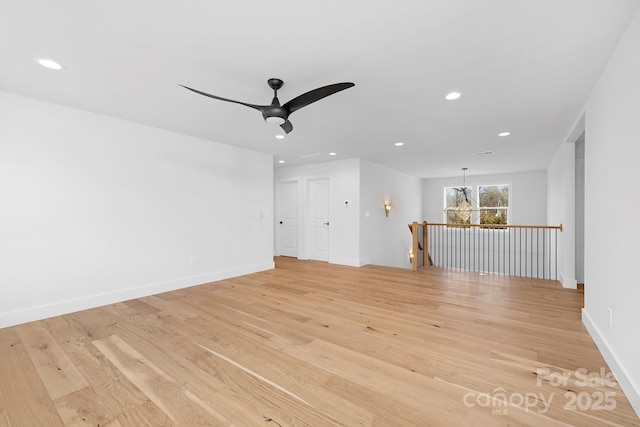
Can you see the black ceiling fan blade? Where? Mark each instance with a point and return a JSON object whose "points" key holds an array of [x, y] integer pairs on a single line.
{"points": [[257, 107], [287, 126], [315, 95]]}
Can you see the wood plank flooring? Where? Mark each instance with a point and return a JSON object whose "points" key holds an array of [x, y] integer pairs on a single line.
{"points": [[314, 344]]}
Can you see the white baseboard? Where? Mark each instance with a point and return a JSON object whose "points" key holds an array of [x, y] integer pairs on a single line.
{"points": [[69, 306], [568, 282], [351, 262], [628, 385], [364, 261]]}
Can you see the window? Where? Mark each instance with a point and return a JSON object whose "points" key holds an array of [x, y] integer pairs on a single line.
{"points": [[453, 197], [493, 202], [490, 207]]}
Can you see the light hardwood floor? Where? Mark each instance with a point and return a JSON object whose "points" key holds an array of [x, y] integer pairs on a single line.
{"points": [[313, 344]]}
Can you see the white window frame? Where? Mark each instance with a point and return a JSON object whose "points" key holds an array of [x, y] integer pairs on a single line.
{"points": [[507, 208], [475, 202]]}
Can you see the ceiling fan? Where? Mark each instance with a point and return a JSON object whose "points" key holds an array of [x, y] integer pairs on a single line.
{"points": [[279, 114]]}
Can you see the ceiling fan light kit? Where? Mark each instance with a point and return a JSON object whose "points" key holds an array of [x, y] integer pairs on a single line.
{"points": [[274, 120], [279, 114]]}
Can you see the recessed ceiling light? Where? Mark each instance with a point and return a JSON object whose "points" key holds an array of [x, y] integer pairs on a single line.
{"points": [[49, 63], [332, 154], [280, 161], [452, 96], [399, 144], [279, 136], [504, 134]]}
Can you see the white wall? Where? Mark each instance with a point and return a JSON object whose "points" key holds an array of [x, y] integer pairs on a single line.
{"points": [[528, 195], [561, 210], [612, 150], [387, 241], [95, 210], [344, 229]]}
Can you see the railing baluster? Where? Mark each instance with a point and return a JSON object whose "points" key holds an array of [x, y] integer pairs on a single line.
{"points": [[486, 252], [537, 253], [450, 248], [526, 242], [510, 235], [520, 252], [531, 255], [469, 247], [544, 252], [493, 251], [457, 252], [433, 248], [556, 272], [505, 244], [482, 253], [475, 250], [441, 245]]}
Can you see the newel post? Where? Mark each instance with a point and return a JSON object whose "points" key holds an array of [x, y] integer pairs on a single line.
{"points": [[415, 246]]}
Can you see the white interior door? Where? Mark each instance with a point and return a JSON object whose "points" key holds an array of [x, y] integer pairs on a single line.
{"points": [[319, 219], [288, 218]]}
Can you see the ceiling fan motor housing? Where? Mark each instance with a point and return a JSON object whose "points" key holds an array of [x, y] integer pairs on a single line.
{"points": [[274, 113]]}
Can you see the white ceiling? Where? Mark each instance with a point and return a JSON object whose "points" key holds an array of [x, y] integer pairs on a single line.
{"points": [[524, 66]]}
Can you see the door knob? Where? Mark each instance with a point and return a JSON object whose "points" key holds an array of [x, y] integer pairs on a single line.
{"points": [[326, 223], [280, 222]]}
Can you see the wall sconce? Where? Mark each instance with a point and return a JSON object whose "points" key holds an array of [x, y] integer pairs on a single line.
{"points": [[387, 208]]}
